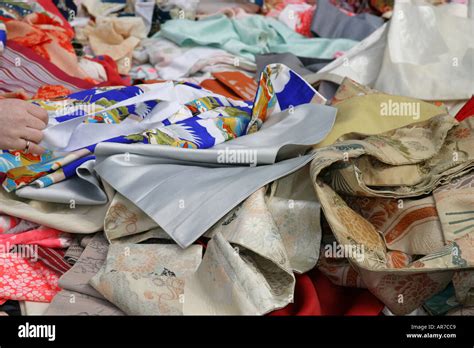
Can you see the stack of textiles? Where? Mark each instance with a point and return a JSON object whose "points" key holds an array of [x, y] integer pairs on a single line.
{"points": [[281, 157]]}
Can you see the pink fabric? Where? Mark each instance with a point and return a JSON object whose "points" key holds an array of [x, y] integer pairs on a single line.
{"points": [[22, 279], [44, 236]]}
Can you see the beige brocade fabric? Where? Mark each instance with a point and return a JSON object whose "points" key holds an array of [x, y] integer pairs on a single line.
{"points": [[147, 279], [249, 261], [429, 146]]}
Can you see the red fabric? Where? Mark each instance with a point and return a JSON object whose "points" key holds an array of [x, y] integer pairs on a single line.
{"points": [[22, 279], [113, 76], [52, 258], [466, 111], [49, 6], [44, 236], [315, 294], [67, 80]]}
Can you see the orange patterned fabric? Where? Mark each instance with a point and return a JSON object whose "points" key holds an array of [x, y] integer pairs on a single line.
{"points": [[47, 38], [48, 92], [231, 84]]}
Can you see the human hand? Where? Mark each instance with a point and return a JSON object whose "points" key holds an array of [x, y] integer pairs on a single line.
{"points": [[21, 122]]}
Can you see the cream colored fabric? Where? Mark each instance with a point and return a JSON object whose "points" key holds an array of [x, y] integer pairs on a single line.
{"points": [[68, 218], [116, 37]]}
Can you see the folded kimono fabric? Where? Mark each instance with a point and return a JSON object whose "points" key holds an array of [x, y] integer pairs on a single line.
{"points": [[368, 111], [390, 60], [23, 279], [125, 219], [226, 181], [65, 217], [249, 36], [146, 279], [15, 231], [47, 38], [23, 68], [171, 62], [249, 262], [74, 251], [411, 249], [200, 123], [89, 263], [77, 296], [262, 241], [18, 10], [234, 84], [53, 258], [41, 236], [276, 92], [83, 189], [117, 38], [74, 303], [103, 8]]}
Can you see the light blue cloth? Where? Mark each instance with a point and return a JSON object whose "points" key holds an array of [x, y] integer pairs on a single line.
{"points": [[249, 36]]}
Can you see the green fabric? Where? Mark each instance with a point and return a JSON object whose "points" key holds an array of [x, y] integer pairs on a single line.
{"points": [[249, 36]]}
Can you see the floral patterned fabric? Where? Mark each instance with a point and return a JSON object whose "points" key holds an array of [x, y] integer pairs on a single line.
{"points": [[412, 247], [22, 279], [43, 32], [147, 279]]}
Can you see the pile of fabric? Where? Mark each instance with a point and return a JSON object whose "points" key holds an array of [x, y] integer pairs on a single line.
{"points": [[281, 157]]}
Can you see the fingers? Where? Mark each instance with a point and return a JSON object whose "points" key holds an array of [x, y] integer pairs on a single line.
{"points": [[37, 112], [20, 144], [35, 123], [33, 135], [35, 149]]}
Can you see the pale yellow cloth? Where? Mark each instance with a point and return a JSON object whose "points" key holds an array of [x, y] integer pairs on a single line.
{"points": [[361, 110]]}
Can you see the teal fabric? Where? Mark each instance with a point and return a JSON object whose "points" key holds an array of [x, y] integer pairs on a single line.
{"points": [[249, 36]]}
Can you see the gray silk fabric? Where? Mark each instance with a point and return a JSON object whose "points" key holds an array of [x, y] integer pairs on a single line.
{"points": [[187, 191], [84, 189]]}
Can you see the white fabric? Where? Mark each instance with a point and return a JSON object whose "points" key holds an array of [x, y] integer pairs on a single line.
{"points": [[74, 134], [424, 52]]}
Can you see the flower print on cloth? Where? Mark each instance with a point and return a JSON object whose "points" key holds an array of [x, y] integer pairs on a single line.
{"points": [[23, 279], [147, 279], [412, 222]]}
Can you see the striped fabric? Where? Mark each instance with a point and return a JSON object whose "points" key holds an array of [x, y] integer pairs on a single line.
{"points": [[52, 258], [21, 68]]}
